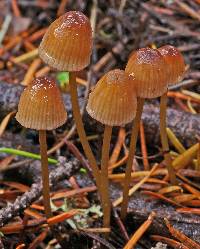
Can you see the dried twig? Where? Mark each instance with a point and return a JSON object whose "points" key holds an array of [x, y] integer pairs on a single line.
{"points": [[63, 171]]}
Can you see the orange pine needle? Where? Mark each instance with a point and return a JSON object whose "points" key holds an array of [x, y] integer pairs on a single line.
{"points": [[184, 198], [158, 181], [12, 43], [143, 147], [182, 96], [16, 185], [4, 163], [13, 228], [21, 246], [17, 227], [70, 193], [81, 81], [170, 189], [29, 46], [181, 237], [61, 217], [180, 103], [117, 148], [5, 122], [37, 35], [25, 57], [37, 207], [193, 203], [137, 174], [32, 213], [120, 162], [189, 210], [191, 190], [31, 71], [42, 72], [190, 11], [162, 197], [15, 8], [61, 8], [141, 230], [38, 240]]}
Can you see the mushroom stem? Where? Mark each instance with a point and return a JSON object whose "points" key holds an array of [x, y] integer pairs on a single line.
{"points": [[45, 173], [164, 139], [134, 135], [104, 175], [80, 129]]}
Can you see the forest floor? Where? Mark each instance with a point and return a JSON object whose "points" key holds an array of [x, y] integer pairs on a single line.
{"points": [[158, 212]]}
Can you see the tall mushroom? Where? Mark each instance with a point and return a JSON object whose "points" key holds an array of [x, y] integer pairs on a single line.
{"points": [[146, 65], [113, 103], [41, 108], [67, 46], [176, 69]]}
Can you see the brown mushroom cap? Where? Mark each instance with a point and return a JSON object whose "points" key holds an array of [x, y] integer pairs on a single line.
{"points": [[41, 106], [67, 44], [148, 67], [113, 101], [175, 63]]}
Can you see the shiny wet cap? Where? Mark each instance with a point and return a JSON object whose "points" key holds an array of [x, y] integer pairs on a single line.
{"points": [[113, 101], [41, 106], [67, 44], [149, 69]]}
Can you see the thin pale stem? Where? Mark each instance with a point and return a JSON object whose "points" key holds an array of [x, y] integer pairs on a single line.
{"points": [[45, 173], [104, 175], [164, 138], [81, 130], [134, 135]]}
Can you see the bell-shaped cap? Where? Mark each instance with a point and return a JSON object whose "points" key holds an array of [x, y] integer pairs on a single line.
{"points": [[41, 106], [67, 44], [113, 101], [148, 67], [175, 63]]}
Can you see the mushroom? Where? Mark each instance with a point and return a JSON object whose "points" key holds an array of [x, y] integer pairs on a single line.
{"points": [[146, 65], [175, 63], [41, 108], [67, 46], [113, 102], [176, 70]]}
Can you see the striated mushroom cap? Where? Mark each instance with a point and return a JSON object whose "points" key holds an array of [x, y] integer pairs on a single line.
{"points": [[67, 44], [41, 106], [175, 63], [148, 67], [113, 101]]}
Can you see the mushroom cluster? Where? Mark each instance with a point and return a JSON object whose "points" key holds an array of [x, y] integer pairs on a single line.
{"points": [[151, 71], [116, 100]]}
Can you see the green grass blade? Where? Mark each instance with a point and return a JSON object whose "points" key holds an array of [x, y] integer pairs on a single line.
{"points": [[25, 154]]}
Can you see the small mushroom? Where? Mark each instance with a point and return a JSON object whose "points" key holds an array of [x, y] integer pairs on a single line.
{"points": [[175, 72], [113, 102], [175, 63], [67, 46], [146, 65], [41, 108]]}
